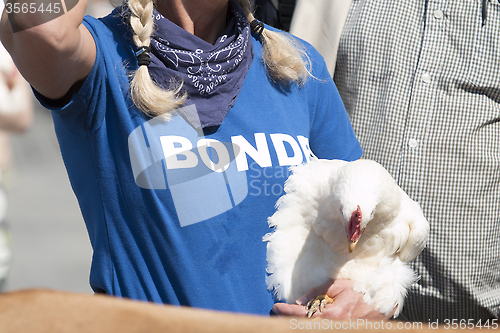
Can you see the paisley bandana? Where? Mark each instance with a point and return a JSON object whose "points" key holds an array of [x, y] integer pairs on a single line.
{"points": [[212, 75]]}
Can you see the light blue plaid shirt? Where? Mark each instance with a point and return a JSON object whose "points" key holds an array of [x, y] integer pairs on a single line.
{"points": [[421, 83]]}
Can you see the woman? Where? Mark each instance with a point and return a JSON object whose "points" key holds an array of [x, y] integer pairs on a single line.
{"points": [[177, 124]]}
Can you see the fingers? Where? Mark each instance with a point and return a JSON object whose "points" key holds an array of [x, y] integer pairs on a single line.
{"points": [[347, 303], [323, 289], [330, 311], [284, 309], [350, 304]]}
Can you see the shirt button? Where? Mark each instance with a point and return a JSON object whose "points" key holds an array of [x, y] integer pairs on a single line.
{"points": [[412, 143], [439, 14], [426, 77]]}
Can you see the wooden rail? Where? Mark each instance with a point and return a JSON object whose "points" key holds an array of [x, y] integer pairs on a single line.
{"points": [[45, 311]]}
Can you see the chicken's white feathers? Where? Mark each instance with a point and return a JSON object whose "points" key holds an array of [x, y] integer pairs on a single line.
{"points": [[309, 245]]}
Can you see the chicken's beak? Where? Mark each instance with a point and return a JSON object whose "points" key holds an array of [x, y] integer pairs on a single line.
{"points": [[354, 229], [352, 245]]}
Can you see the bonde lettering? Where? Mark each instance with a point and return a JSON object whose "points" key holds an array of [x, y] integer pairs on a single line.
{"points": [[178, 151]]}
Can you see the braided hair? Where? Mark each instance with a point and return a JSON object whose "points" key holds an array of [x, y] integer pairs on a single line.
{"points": [[285, 61]]}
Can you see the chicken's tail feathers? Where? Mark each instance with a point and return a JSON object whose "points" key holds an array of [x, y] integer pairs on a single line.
{"points": [[281, 255], [278, 290]]}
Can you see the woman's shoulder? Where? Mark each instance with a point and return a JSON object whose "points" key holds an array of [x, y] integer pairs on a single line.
{"points": [[111, 28]]}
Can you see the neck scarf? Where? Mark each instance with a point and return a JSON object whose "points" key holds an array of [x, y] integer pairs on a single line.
{"points": [[212, 75]]}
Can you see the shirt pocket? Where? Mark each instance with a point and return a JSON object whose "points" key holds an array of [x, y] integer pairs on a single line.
{"points": [[484, 69]]}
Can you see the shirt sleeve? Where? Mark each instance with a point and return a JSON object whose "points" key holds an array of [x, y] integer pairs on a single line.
{"points": [[331, 134], [84, 113]]}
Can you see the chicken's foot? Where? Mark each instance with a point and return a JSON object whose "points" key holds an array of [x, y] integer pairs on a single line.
{"points": [[317, 303]]}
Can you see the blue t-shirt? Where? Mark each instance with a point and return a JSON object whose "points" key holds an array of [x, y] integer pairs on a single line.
{"points": [[176, 215]]}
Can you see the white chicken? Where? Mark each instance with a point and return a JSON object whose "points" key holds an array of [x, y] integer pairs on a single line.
{"points": [[345, 220]]}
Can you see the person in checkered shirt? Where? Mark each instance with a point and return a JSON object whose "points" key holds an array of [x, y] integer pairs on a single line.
{"points": [[421, 83]]}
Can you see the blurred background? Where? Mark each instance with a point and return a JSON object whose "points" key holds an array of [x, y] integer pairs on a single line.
{"points": [[50, 242], [51, 248]]}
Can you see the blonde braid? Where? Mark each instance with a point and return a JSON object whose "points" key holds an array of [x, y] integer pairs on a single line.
{"points": [[285, 60], [146, 94]]}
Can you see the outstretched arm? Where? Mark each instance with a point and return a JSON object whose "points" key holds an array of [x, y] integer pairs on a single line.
{"points": [[52, 56]]}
